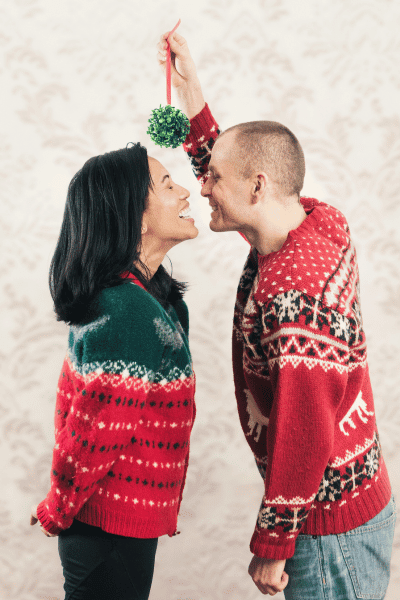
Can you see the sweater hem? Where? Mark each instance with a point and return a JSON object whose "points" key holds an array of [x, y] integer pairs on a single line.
{"points": [[332, 521], [126, 524], [344, 516]]}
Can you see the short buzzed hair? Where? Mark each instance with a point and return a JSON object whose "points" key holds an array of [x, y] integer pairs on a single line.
{"points": [[271, 147]]}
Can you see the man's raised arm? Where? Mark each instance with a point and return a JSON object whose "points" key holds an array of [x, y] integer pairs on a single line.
{"points": [[203, 127]]}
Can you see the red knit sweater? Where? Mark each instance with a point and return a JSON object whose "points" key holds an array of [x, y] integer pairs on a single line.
{"points": [[124, 413], [301, 377]]}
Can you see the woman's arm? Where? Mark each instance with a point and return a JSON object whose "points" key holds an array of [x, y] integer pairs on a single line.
{"points": [[104, 384]]}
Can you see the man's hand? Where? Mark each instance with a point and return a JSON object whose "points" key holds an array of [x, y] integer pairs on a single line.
{"points": [[34, 520], [183, 73], [268, 575]]}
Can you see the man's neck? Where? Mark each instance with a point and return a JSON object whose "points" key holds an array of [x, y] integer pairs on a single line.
{"points": [[270, 233]]}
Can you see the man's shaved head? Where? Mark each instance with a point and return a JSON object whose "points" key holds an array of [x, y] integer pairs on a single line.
{"points": [[270, 147]]}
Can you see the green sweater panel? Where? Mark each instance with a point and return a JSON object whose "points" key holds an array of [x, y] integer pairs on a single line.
{"points": [[133, 334]]}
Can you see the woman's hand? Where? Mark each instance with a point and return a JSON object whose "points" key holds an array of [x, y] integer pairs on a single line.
{"points": [[34, 520], [183, 73]]}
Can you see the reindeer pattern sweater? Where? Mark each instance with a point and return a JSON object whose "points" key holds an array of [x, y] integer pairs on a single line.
{"points": [[301, 377], [124, 414]]}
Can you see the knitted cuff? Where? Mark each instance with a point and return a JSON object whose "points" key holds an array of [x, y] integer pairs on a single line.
{"points": [[45, 520], [203, 121], [264, 548]]}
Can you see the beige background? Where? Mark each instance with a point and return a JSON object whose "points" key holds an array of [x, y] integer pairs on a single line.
{"points": [[78, 78]]}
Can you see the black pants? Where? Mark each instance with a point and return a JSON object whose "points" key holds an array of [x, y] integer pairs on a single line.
{"points": [[98, 565]]}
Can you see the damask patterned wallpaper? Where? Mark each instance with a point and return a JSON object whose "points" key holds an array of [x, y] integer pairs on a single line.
{"points": [[78, 78]]}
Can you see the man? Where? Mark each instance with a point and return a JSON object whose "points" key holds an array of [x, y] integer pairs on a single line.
{"points": [[326, 522]]}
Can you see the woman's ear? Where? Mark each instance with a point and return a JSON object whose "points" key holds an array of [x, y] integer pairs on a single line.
{"points": [[144, 228]]}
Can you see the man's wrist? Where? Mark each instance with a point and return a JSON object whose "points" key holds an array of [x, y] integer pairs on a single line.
{"points": [[191, 99]]}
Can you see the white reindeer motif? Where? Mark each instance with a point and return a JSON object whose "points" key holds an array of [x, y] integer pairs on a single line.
{"points": [[360, 406], [256, 418]]}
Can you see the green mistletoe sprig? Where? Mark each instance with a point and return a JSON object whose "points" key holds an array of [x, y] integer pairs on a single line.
{"points": [[168, 126]]}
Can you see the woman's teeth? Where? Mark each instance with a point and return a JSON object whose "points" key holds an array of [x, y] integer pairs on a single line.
{"points": [[184, 213]]}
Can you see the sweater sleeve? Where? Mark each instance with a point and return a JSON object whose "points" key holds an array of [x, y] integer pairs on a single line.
{"points": [[109, 368], [307, 393], [182, 313], [199, 142]]}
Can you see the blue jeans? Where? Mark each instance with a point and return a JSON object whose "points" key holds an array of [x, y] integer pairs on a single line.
{"points": [[355, 564]]}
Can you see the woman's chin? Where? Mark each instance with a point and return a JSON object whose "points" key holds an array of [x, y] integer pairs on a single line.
{"points": [[194, 233], [191, 233]]}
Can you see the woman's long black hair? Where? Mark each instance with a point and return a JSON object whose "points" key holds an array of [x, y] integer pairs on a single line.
{"points": [[100, 236]]}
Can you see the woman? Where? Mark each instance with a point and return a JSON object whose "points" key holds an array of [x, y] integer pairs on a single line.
{"points": [[125, 398]]}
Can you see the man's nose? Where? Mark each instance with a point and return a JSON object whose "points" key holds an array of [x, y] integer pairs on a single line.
{"points": [[206, 189]]}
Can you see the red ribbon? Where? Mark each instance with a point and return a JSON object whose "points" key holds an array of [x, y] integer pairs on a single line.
{"points": [[169, 63]]}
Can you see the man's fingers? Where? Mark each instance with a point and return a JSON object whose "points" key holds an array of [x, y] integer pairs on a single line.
{"points": [[279, 586], [265, 589], [174, 38], [178, 45], [284, 581]]}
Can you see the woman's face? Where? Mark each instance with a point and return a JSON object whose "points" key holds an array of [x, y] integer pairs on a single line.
{"points": [[164, 220]]}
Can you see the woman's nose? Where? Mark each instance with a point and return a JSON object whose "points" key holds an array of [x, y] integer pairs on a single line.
{"points": [[185, 193]]}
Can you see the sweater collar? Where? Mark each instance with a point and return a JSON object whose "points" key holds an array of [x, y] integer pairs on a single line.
{"points": [[131, 276]]}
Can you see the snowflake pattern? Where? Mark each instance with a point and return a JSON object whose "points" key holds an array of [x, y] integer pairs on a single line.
{"points": [[287, 307], [371, 460], [288, 313], [333, 487], [200, 160], [267, 517], [291, 520], [330, 488], [334, 483], [354, 476]]}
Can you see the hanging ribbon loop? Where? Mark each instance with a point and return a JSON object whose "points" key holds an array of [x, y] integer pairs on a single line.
{"points": [[169, 62]]}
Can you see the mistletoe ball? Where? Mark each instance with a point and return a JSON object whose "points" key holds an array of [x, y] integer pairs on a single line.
{"points": [[168, 126]]}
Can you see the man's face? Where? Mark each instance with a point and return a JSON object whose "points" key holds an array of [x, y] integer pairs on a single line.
{"points": [[227, 192]]}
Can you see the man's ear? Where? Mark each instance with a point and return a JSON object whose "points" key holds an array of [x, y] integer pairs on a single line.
{"points": [[259, 186]]}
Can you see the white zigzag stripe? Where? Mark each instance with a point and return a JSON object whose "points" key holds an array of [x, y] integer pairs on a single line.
{"points": [[132, 374], [295, 501], [293, 341], [350, 455], [139, 384], [315, 362]]}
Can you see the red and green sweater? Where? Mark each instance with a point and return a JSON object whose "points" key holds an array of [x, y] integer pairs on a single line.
{"points": [[301, 377], [124, 413]]}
